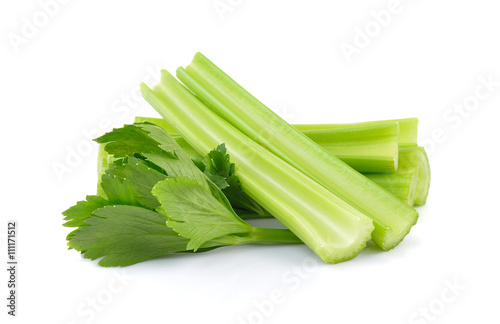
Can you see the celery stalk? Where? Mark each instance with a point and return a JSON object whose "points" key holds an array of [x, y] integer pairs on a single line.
{"points": [[392, 218], [332, 228], [412, 160], [408, 128], [372, 148]]}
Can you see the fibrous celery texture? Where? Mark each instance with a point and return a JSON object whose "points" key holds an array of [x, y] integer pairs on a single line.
{"points": [[415, 158], [332, 228], [408, 128], [365, 148], [392, 218]]}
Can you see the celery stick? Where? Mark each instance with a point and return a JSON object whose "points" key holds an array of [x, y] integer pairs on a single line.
{"points": [[401, 184], [408, 128], [332, 228], [372, 148], [413, 158], [392, 218]]}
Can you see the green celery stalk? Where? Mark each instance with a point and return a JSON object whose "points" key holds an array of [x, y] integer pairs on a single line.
{"points": [[408, 128], [333, 229], [392, 218], [412, 160], [371, 148]]}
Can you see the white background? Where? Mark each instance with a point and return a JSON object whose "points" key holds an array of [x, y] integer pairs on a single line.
{"points": [[76, 71]]}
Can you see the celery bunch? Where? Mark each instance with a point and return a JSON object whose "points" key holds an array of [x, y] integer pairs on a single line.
{"points": [[169, 185]]}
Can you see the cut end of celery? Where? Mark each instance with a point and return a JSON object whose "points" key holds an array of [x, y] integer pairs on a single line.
{"points": [[389, 239], [417, 157], [412, 193], [333, 253], [425, 179]]}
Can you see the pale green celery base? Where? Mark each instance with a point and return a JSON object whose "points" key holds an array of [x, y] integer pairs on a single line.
{"points": [[412, 158], [329, 226], [391, 217]]}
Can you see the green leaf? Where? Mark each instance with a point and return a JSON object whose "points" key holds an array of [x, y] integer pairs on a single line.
{"points": [[217, 165], [155, 145], [129, 182], [131, 139], [195, 213], [126, 235], [76, 214]]}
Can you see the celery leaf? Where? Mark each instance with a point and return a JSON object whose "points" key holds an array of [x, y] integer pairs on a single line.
{"points": [[125, 235], [155, 145], [195, 213]]}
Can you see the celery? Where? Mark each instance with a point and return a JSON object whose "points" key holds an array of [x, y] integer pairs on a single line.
{"points": [[408, 128], [332, 228], [406, 185], [402, 184], [372, 148], [392, 218], [415, 158]]}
